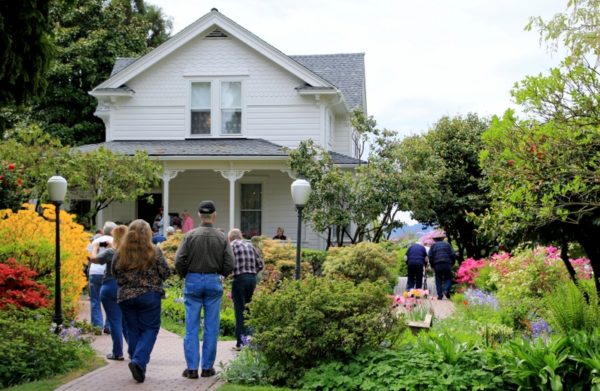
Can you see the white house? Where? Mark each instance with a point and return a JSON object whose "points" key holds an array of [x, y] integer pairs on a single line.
{"points": [[216, 104]]}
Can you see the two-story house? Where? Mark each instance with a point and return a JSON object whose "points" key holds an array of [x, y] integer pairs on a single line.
{"points": [[216, 104]]}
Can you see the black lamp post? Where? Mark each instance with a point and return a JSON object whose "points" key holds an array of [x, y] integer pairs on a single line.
{"points": [[57, 189], [300, 193]]}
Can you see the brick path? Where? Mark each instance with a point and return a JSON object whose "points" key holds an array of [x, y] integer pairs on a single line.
{"points": [[162, 374]]}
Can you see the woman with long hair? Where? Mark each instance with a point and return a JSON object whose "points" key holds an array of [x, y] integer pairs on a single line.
{"points": [[103, 253], [140, 269]]}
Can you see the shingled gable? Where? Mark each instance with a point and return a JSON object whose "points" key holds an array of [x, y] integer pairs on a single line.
{"points": [[210, 21]]}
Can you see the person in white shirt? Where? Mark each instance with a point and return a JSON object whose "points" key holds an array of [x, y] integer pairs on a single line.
{"points": [[96, 274]]}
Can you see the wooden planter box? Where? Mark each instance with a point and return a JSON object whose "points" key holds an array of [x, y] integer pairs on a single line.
{"points": [[418, 326]]}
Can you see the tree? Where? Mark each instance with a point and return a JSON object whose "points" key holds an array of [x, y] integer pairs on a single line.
{"points": [[105, 177], [89, 35], [26, 49], [543, 170]]}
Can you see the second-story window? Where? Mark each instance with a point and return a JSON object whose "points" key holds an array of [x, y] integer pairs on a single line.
{"points": [[201, 108], [231, 107]]}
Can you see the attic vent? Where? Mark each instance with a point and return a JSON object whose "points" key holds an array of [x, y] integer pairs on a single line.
{"points": [[216, 33]]}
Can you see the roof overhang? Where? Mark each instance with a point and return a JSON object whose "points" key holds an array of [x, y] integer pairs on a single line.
{"points": [[110, 92]]}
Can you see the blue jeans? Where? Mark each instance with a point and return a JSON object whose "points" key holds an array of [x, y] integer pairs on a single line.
{"points": [[242, 289], [443, 279], [141, 317], [95, 306], [114, 318], [202, 290]]}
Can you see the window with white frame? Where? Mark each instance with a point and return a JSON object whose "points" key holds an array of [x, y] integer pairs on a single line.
{"points": [[201, 108], [251, 209], [231, 107], [216, 107]]}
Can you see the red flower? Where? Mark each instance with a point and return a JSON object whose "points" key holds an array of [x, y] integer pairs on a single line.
{"points": [[465, 302], [11, 166]]}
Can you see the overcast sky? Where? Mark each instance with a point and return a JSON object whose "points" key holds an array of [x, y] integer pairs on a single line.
{"points": [[424, 59]]}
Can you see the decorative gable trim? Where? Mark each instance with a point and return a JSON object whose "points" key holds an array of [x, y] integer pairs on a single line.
{"points": [[211, 21]]}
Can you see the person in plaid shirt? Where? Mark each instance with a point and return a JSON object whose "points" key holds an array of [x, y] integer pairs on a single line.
{"points": [[247, 264]]}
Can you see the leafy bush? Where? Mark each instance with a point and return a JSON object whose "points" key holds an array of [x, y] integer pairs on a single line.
{"points": [[430, 363], [29, 238], [31, 351], [18, 289], [248, 367], [567, 308], [469, 271], [556, 363], [315, 258], [364, 261], [12, 190], [316, 319], [169, 247]]}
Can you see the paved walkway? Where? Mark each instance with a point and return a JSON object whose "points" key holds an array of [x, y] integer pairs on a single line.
{"points": [[162, 374]]}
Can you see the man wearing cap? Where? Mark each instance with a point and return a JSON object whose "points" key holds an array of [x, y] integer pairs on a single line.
{"points": [[441, 257], [202, 258]]}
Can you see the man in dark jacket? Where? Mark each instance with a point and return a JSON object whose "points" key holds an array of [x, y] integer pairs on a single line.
{"points": [[202, 258], [416, 259], [441, 257]]}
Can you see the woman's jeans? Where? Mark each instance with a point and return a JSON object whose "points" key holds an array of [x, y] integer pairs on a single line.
{"points": [[202, 291], [242, 289], [114, 318], [141, 317], [95, 284]]}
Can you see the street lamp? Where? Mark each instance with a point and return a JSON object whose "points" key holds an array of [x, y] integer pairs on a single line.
{"points": [[300, 193], [57, 189]]}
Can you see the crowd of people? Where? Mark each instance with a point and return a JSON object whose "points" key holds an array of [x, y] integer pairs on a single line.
{"points": [[127, 273]]}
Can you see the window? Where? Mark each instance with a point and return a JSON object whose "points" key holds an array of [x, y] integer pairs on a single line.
{"points": [[201, 108], [251, 210], [231, 107]]}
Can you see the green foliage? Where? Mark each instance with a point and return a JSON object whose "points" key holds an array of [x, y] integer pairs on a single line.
{"points": [[556, 363], [431, 363], [316, 258], [25, 39], [105, 177], [314, 320], [364, 261], [568, 309], [31, 350], [248, 367], [13, 192]]}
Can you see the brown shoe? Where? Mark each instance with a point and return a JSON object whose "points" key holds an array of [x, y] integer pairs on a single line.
{"points": [[208, 372], [190, 373]]}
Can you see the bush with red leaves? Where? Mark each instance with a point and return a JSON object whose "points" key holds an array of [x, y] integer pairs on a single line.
{"points": [[17, 287]]}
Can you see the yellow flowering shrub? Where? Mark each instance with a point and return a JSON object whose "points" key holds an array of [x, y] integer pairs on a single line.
{"points": [[29, 238], [169, 247]]}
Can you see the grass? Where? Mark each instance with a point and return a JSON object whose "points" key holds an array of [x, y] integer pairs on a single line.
{"points": [[236, 387], [90, 363]]}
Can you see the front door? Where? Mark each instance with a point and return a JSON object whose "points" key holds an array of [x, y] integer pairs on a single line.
{"points": [[148, 210]]}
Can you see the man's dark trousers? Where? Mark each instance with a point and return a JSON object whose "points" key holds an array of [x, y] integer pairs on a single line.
{"points": [[242, 290]]}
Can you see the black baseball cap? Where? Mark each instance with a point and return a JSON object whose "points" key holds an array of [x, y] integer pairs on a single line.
{"points": [[207, 207]]}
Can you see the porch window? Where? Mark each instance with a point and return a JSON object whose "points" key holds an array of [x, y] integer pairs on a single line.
{"points": [[231, 107], [251, 210], [201, 107]]}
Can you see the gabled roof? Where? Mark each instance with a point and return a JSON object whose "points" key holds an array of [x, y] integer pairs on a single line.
{"points": [[209, 21], [346, 71], [222, 147]]}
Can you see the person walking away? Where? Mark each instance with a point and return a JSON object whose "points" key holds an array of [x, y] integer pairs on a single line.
{"points": [[247, 264], [416, 260], [108, 292], [442, 257], [96, 275], [203, 256], [140, 269]]}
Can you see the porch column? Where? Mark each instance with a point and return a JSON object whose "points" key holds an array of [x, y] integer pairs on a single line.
{"points": [[232, 175], [167, 175]]}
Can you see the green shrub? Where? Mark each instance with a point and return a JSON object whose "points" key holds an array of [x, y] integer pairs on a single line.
{"points": [[31, 350], [567, 308], [316, 258], [228, 322], [316, 319], [248, 367], [429, 364], [364, 261]]}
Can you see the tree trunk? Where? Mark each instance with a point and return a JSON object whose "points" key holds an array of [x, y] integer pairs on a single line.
{"points": [[564, 255], [587, 236]]}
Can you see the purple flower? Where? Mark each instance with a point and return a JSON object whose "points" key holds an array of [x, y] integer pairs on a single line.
{"points": [[540, 327], [479, 297]]}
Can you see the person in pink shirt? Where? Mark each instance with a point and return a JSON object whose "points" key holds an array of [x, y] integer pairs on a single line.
{"points": [[188, 222]]}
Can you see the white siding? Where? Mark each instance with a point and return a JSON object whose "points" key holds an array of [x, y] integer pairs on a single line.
{"points": [[273, 110], [342, 137]]}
